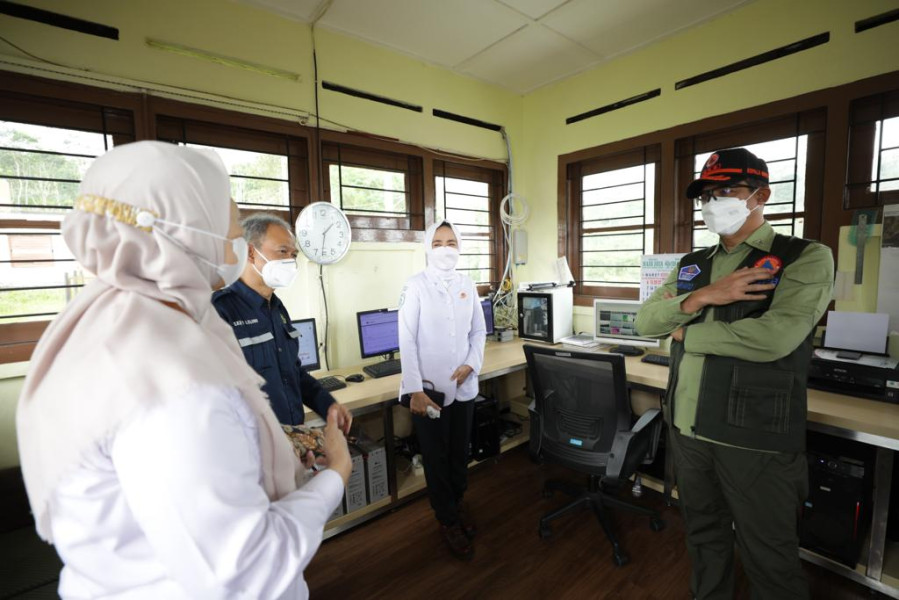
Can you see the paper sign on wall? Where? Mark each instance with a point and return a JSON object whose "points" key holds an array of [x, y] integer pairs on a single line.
{"points": [[654, 269]]}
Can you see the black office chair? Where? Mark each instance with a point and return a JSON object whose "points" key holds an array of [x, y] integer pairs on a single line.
{"points": [[582, 419]]}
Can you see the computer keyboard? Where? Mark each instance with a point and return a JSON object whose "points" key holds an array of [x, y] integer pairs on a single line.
{"points": [[383, 368], [656, 359], [331, 383]]}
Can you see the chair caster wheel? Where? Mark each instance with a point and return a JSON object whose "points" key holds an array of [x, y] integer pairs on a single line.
{"points": [[545, 532], [656, 524], [620, 559]]}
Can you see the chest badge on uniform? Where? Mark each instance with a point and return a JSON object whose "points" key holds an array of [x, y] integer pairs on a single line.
{"points": [[688, 273], [463, 295], [770, 262], [284, 319]]}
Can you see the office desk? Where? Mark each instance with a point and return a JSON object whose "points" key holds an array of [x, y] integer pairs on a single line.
{"points": [[866, 421]]}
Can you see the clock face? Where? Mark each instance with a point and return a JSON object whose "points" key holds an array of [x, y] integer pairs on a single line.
{"points": [[323, 233]]}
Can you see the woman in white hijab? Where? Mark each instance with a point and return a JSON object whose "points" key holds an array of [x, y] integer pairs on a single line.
{"points": [[442, 335], [151, 457]]}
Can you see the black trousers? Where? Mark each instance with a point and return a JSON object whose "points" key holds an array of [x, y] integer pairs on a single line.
{"points": [[732, 495], [444, 455]]}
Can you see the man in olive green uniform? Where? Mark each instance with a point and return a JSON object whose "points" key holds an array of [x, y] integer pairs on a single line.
{"points": [[741, 316]]}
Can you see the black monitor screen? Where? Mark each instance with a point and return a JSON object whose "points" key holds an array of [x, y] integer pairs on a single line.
{"points": [[306, 336], [378, 332], [487, 305]]}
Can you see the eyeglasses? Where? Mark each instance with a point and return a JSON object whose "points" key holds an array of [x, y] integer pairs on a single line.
{"points": [[724, 191]]}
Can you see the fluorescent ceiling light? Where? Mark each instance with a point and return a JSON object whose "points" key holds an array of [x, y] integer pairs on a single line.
{"points": [[222, 60]]}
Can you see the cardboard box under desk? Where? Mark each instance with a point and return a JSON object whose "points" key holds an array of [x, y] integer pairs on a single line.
{"points": [[375, 458], [355, 487]]}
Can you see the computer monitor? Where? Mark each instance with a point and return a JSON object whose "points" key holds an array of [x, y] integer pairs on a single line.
{"points": [[487, 306], [615, 322], [308, 344], [378, 332]]}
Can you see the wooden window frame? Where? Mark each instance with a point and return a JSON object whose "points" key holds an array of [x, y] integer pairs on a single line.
{"points": [[495, 178], [366, 226], [863, 116], [22, 97], [194, 124], [811, 123], [602, 163], [38, 101], [675, 223]]}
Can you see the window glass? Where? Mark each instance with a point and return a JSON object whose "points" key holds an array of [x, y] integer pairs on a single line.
{"points": [[617, 216], [367, 191], [466, 204], [40, 170]]}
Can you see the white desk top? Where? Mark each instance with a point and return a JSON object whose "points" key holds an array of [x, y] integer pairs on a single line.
{"points": [[846, 413]]}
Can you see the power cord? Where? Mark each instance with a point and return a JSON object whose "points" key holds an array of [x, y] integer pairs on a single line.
{"points": [[321, 279], [504, 302], [504, 313]]}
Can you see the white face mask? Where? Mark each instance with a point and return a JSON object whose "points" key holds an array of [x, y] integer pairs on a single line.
{"points": [[277, 273], [725, 216], [229, 272], [443, 258]]}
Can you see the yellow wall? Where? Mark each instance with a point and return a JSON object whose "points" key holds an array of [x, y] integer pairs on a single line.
{"points": [[751, 30], [372, 274], [252, 35]]}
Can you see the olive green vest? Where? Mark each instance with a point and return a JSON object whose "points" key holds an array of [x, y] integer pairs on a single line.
{"points": [[758, 405]]}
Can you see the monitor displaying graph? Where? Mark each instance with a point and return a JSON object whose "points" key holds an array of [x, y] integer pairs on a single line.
{"points": [[616, 323]]}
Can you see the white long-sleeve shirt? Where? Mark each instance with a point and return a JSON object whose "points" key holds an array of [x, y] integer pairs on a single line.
{"points": [[441, 328], [172, 506]]}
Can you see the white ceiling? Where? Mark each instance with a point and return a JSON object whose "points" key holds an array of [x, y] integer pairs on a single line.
{"points": [[519, 45]]}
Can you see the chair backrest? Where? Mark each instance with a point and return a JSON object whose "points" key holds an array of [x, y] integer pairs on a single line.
{"points": [[581, 401]]}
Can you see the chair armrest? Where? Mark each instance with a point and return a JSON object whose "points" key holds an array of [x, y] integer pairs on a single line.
{"points": [[622, 447], [648, 417]]}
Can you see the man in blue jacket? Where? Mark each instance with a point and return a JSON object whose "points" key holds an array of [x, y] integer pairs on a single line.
{"points": [[263, 326]]}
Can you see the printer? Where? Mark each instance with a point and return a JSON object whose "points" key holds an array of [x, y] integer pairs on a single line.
{"points": [[869, 376], [854, 359]]}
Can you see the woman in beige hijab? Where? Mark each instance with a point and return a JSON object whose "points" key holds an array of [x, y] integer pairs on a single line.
{"points": [[151, 457]]}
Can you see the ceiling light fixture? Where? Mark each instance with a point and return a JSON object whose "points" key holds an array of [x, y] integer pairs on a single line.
{"points": [[221, 60]]}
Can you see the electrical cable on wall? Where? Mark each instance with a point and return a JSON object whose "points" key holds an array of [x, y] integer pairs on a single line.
{"points": [[321, 279], [511, 216], [322, 9]]}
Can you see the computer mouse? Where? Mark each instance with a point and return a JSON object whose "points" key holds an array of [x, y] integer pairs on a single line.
{"points": [[355, 378]]}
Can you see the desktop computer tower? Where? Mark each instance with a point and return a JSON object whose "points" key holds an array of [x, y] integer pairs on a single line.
{"points": [[355, 495], [374, 456], [485, 428], [835, 514]]}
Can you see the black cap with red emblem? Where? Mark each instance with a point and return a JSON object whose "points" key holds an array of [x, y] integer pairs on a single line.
{"points": [[730, 166]]}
